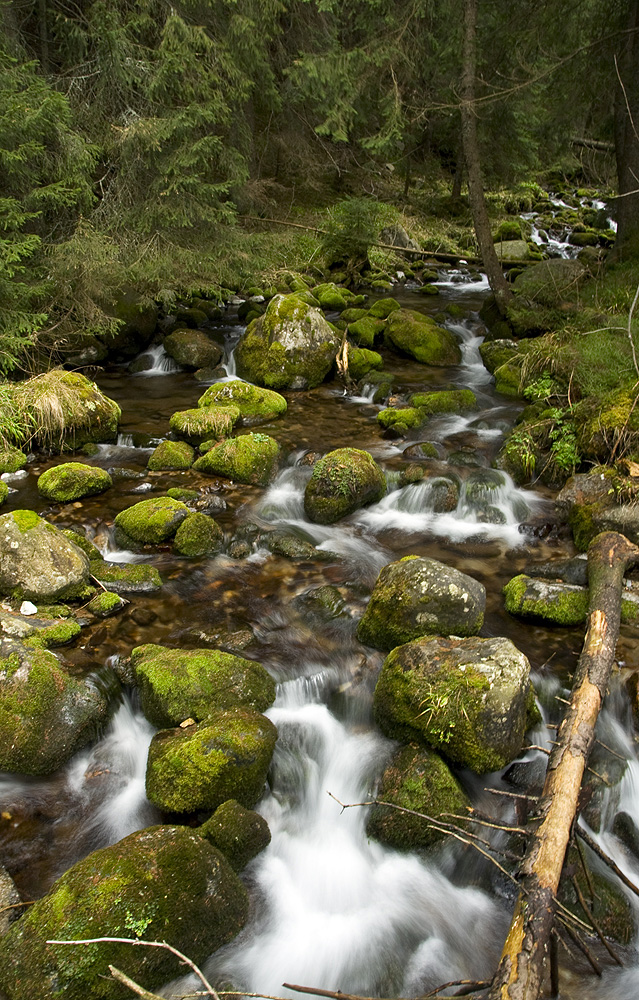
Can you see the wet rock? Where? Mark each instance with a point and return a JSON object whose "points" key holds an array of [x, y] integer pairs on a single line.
{"points": [[417, 779], [291, 346], [607, 901], [419, 596], [466, 698], [171, 456], [445, 401], [239, 833], [323, 604], [45, 714], [105, 604], [421, 449], [483, 486], [71, 481], [399, 420], [192, 349], [150, 521], [251, 458], [625, 828], [9, 898], [573, 570], [420, 337], [197, 536], [342, 481], [292, 546], [37, 559], [161, 883], [199, 767], [361, 361], [138, 316], [176, 684], [126, 578], [254, 402], [210, 422], [558, 603], [502, 359]]}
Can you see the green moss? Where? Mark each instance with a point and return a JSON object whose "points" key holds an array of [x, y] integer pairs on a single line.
{"points": [[152, 521], [401, 418], [54, 635], [105, 603], [177, 684], [253, 402], [82, 543], [171, 455], [366, 331], [12, 459], [198, 535], [124, 578], [341, 482], [73, 480], [450, 401], [25, 520], [238, 832], [4, 492], [362, 361], [251, 458], [568, 607], [183, 494], [207, 422], [202, 766], [383, 308], [420, 337]]}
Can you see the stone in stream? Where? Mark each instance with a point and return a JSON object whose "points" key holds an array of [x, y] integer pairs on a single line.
{"points": [[201, 766], [71, 481], [38, 561], [466, 698], [366, 330], [291, 346], [342, 481], [192, 349], [254, 402], [239, 833], [11, 459], [198, 536], [164, 883], [416, 778], [419, 336], [203, 423], [361, 361], [171, 456], [559, 603], [150, 522], [175, 684], [417, 596], [46, 715], [251, 458]]}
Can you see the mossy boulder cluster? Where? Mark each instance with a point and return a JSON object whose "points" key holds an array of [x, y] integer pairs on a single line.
{"points": [[37, 561], [420, 337], [417, 596], [255, 404], [73, 480], [250, 458], [422, 406], [342, 481], [165, 883]]}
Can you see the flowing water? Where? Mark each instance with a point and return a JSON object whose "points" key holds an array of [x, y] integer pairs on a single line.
{"points": [[329, 907]]}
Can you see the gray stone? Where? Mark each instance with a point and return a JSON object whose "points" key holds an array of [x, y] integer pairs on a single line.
{"points": [[38, 560]]}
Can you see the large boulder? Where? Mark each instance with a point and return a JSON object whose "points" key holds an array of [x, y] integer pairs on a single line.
{"points": [[201, 766], [66, 409], [251, 458], [416, 779], [46, 715], [150, 521], [73, 480], [341, 482], [171, 455], [512, 250], [164, 883], [254, 402], [38, 561], [291, 346], [192, 349], [549, 282], [418, 335], [417, 596], [176, 684], [466, 698]]}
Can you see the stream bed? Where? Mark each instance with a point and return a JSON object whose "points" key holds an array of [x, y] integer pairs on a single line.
{"points": [[330, 908]]}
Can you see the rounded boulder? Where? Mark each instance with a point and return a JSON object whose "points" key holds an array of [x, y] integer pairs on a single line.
{"points": [[73, 480], [342, 481]]}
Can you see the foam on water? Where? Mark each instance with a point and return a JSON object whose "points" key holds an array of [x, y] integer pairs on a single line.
{"points": [[160, 363]]}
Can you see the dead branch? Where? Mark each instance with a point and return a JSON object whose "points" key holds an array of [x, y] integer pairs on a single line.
{"points": [[132, 985], [594, 846], [521, 968], [584, 905]]}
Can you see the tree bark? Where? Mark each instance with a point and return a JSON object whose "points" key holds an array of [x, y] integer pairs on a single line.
{"points": [[521, 968], [627, 139], [470, 143]]}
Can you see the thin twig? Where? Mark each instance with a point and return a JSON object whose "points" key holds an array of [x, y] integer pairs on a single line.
{"points": [[583, 947], [120, 977], [584, 905], [594, 846]]}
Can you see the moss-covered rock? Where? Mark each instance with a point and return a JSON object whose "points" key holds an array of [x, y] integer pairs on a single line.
{"points": [[11, 459], [200, 767], [512, 250], [331, 297], [4, 492], [151, 521], [38, 561], [383, 308], [90, 550], [73, 480], [105, 604], [418, 596], [45, 714], [341, 482], [176, 684], [352, 315], [67, 410], [362, 361], [550, 282], [58, 634], [251, 458], [556, 602], [292, 546], [254, 402], [367, 330], [239, 833], [161, 884], [182, 493], [466, 698], [126, 578], [447, 401], [420, 337], [502, 359], [291, 346], [171, 456], [198, 535], [193, 349], [200, 424], [401, 418], [605, 898], [598, 420], [417, 779]]}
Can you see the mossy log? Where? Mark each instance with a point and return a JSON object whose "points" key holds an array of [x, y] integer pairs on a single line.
{"points": [[521, 968]]}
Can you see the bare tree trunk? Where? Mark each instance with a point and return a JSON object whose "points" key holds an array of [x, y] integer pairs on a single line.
{"points": [[521, 968], [470, 142]]}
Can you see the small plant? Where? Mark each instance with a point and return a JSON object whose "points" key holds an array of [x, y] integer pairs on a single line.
{"points": [[136, 924], [540, 388]]}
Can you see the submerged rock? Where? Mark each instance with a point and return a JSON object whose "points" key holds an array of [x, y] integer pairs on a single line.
{"points": [[251, 458], [418, 335], [38, 561], [418, 779], [45, 714], [253, 402], [239, 833], [342, 481], [201, 766], [73, 480], [419, 596], [291, 346], [165, 883], [466, 698], [176, 684]]}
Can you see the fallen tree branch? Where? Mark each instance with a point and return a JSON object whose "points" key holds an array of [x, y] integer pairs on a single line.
{"points": [[594, 846], [132, 985], [521, 968]]}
